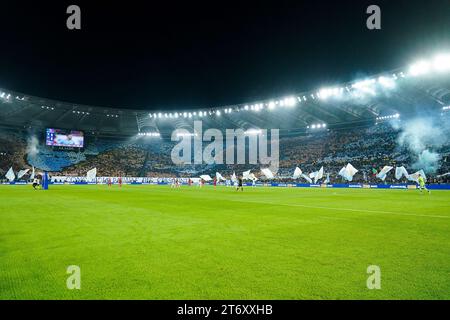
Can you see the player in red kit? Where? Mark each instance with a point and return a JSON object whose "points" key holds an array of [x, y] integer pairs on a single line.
{"points": [[120, 181]]}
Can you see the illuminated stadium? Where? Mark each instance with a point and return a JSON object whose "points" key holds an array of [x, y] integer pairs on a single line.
{"points": [[232, 156], [368, 115]]}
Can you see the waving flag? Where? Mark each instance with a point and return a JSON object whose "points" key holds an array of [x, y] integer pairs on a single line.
{"points": [[91, 174], [21, 173], [415, 176], [10, 175], [267, 173], [297, 173], [400, 172], [348, 172], [252, 177], [351, 170], [319, 175], [32, 174], [443, 175], [219, 177], [383, 173], [304, 176], [206, 177], [233, 177], [246, 175]]}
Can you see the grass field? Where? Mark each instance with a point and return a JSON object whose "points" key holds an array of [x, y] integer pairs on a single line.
{"points": [[153, 242]]}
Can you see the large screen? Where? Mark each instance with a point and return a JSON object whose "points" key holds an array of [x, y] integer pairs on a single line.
{"points": [[64, 138]]}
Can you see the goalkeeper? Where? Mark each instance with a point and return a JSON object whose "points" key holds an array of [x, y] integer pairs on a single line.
{"points": [[422, 186]]}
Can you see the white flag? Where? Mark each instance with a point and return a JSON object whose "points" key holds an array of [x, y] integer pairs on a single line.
{"points": [[443, 175], [415, 176], [206, 177], [219, 177], [319, 175], [10, 175], [306, 178], [351, 170], [246, 175], [91, 174], [32, 174], [252, 177], [267, 173], [233, 177], [383, 173], [348, 172], [297, 173], [21, 173], [400, 172]]}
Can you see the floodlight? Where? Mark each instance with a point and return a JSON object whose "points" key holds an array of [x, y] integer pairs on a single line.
{"points": [[386, 82], [290, 101], [441, 63], [419, 68]]}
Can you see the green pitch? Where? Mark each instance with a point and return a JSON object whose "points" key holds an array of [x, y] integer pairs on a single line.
{"points": [[154, 242]]}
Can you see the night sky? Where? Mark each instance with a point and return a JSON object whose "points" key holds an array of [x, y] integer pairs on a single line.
{"points": [[205, 54]]}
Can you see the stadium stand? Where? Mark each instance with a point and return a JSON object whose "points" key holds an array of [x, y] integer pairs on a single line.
{"points": [[365, 147]]}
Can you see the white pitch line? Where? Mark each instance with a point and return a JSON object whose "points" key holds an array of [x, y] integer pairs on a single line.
{"points": [[348, 209]]}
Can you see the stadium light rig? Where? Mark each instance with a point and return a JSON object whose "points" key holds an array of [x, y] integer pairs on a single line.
{"points": [[440, 63], [370, 86], [149, 134], [80, 112], [5, 96], [317, 126], [392, 116]]}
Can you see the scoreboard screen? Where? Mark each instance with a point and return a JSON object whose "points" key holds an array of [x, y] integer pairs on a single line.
{"points": [[64, 138]]}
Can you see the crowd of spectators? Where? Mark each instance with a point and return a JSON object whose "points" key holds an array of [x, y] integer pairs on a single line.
{"points": [[367, 148]]}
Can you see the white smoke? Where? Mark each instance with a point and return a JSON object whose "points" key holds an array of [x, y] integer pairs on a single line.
{"points": [[32, 146], [427, 160], [422, 136]]}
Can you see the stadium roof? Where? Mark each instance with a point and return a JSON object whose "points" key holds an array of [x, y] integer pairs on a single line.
{"points": [[423, 87]]}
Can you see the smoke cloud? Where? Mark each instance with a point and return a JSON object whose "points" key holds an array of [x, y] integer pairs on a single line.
{"points": [[422, 136], [32, 146]]}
